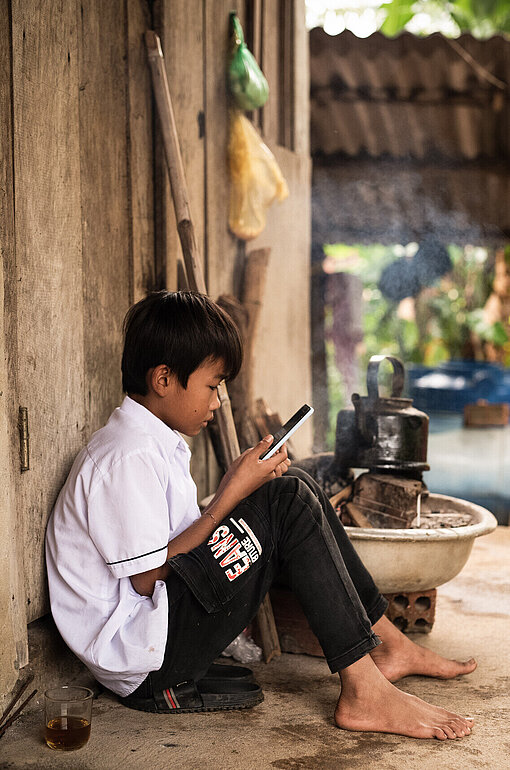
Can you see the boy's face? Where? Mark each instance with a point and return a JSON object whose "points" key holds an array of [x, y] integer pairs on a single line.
{"points": [[188, 410]]}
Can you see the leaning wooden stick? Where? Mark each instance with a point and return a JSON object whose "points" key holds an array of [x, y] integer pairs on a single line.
{"points": [[192, 260], [17, 713], [17, 695]]}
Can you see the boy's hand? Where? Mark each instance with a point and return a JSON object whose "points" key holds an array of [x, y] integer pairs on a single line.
{"points": [[248, 472]]}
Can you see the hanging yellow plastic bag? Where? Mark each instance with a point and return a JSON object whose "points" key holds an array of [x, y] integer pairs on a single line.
{"points": [[255, 179]]}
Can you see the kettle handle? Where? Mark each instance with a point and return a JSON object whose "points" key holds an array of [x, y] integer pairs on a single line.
{"points": [[373, 373]]}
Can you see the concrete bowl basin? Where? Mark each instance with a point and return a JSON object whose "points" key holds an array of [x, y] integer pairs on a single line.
{"points": [[421, 559]]}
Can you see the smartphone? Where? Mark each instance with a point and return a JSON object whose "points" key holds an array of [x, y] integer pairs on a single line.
{"points": [[290, 427]]}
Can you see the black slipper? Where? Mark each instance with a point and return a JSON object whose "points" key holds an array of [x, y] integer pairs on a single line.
{"points": [[208, 695], [226, 671]]}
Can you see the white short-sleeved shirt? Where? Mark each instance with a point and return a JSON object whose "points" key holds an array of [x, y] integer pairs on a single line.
{"points": [[128, 494]]}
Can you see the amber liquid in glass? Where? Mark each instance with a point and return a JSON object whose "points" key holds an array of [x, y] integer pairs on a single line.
{"points": [[67, 733]]}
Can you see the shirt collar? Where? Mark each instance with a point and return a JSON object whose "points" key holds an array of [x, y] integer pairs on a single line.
{"points": [[143, 416]]}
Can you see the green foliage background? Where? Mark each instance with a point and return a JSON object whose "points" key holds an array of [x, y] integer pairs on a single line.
{"points": [[447, 319], [444, 321], [482, 18]]}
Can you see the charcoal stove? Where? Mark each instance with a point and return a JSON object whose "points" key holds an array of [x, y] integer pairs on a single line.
{"points": [[387, 509], [390, 506], [388, 437]]}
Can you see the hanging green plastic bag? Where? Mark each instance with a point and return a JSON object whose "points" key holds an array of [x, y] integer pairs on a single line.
{"points": [[246, 80], [255, 179]]}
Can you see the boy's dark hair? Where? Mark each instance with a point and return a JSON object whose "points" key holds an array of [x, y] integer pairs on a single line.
{"points": [[181, 329]]}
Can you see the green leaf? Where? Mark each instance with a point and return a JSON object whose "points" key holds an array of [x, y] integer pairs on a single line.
{"points": [[399, 13], [488, 332], [499, 335]]}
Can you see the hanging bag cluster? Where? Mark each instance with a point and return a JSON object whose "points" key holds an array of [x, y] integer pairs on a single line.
{"points": [[255, 177]]}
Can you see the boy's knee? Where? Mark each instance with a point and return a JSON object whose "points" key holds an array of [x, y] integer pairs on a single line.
{"points": [[302, 475], [282, 485], [299, 497]]}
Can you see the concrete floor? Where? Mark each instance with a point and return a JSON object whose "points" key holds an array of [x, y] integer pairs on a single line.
{"points": [[293, 727]]}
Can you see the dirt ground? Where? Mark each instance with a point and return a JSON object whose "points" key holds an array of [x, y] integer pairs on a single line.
{"points": [[293, 727]]}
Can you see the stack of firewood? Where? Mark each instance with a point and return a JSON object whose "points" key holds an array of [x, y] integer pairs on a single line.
{"points": [[380, 500]]}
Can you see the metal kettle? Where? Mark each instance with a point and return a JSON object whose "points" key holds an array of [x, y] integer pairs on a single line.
{"points": [[382, 433]]}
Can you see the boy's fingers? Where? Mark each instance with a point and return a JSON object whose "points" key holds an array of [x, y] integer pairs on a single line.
{"points": [[263, 445], [279, 457], [280, 468], [284, 465]]}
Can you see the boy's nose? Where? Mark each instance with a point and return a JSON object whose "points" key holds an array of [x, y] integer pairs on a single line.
{"points": [[215, 403]]}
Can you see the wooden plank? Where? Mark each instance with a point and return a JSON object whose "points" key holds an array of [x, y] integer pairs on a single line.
{"points": [[221, 245], [140, 152], [341, 496], [271, 69], [283, 375], [357, 516], [287, 79], [180, 26], [191, 255], [165, 254], [294, 630], [48, 265], [253, 34], [301, 105], [104, 201], [387, 501], [267, 630], [13, 640]]}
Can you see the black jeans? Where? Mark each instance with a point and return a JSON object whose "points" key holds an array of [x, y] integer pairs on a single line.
{"points": [[288, 529]]}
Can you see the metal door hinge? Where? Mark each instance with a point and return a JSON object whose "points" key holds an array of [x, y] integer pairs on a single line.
{"points": [[24, 455]]}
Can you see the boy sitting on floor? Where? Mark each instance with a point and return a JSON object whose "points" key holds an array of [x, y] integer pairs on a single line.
{"points": [[148, 592]]}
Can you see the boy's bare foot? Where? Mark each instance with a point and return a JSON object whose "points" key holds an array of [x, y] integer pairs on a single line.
{"points": [[398, 656], [369, 703]]}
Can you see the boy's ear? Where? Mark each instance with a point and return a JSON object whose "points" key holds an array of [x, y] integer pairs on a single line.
{"points": [[159, 379]]}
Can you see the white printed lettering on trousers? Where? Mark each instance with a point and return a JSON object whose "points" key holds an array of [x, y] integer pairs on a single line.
{"points": [[237, 547]]}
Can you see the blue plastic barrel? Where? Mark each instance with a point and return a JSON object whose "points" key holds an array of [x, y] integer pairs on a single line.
{"points": [[451, 385]]}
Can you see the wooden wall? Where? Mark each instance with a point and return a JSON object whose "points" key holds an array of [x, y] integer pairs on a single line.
{"points": [[87, 228]]}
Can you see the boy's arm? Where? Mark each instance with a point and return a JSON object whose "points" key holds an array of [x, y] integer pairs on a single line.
{"points": [[245, 475]]}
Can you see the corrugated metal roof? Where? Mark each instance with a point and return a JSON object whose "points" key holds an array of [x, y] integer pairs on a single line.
{"points": [[409, 97]]}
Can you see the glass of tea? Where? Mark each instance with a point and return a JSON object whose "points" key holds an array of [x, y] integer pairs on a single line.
{"points": [[68, 712]]}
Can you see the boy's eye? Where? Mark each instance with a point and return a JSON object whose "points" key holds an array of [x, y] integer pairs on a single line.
{"points": [[213, 387]]}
